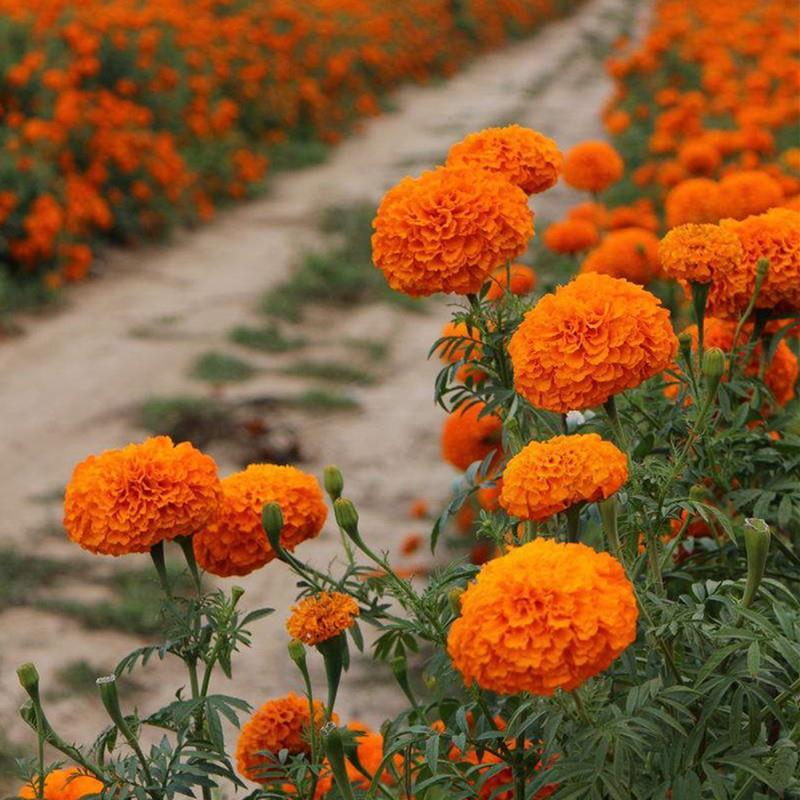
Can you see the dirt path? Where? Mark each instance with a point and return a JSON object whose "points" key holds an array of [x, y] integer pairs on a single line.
{"points": [[69, 383]]}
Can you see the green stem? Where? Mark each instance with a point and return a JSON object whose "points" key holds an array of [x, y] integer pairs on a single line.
{"points": [[573, 515], [187, 546], [610, 407], [157, 555]]}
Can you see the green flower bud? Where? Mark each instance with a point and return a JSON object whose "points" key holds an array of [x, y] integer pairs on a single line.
{"points": [[346, 516], [685, 344], [272, 522], [333, 481], [756, 541], [297, 652], [713, 364], [29, 679], [236, 594], [698, 492]]}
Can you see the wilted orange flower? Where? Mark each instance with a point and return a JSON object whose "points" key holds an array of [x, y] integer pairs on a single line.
{"points": [[518, 279], [523, 156], [780, 375], [127, 500], [467, 438], [774, 236], [63, 784], [693, 200], [630, 253], [448, 229], [234, 543], [591, 339], [571, 236], [547, 477], [281, 724], [699, 253], [749, 192], [322, 616], [545, 616], [592, 166]]}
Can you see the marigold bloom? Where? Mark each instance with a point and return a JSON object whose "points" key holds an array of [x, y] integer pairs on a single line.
{"points": [[547, 477], [699, 157], [369, 752], [518, 279], [448, 229], [234, 543], [466, 438], [693, 200], [696, 253], [774, 236], [545, 616], [591, 339], [630, 253], [320, 617], [63, 784], [749, 192], [592, 166], [780, 375], [571, 236], [595, 213], [280, 724], [523, 156], [127, 500]]}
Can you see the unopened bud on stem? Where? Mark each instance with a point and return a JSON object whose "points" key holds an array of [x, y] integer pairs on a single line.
{"points": [[756, 542], [333, 481]]}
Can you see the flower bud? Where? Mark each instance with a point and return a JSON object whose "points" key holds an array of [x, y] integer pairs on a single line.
{"points": [[685, 344], [454, 599], [272, 522], [333, 481], [756, 542], [713, 363], [236, 594], [297, 652], [698, 492], [762, 267], [29, 678], [346, 516]]}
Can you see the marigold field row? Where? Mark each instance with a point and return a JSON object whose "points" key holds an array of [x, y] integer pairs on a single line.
{"points": [[119, 118]]}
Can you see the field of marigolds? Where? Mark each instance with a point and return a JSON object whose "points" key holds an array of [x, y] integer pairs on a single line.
{"points": [[603, 602]]}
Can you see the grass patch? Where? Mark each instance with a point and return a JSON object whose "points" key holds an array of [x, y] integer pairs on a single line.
{"points": [[135, 604], [267, 339], [79, 678], [184, 418], [341, 276], [215, 367], [331, 371], [22, 575], [322, 400], [374, 349]]}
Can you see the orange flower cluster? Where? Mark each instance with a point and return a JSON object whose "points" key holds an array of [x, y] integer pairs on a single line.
{"points": [[281, 724], [547, 477], [122, 118], [468, 437], [126, 501], [234, 542], [630, 253], [545, 616], [780, 375], [63, 784], [593, 338], [448, 229], [321, 617], [712, 144], [523, 156]]}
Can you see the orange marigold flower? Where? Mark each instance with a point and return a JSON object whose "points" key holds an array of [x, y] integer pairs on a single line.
{"points": [[630, 253], [545, 616], [699, 157], [547, 477], [571, 236], [322, 616], [696, 253], [596, 213], [774, 236], [592, 166], [369, 752], [468, 437], [523, 156], [780, 375], [127, 500], [518, 279], [693, 200], [419, 509], [448, 229], [63, 784], [281, 724], [591, 339], [749, 192], [235, 543]]}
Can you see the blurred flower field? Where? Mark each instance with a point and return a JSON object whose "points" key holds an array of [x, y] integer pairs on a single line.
{"points": [[121, 119]]}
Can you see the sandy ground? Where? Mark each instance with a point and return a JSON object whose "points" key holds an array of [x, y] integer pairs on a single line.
{"points": [[69, 383]]}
